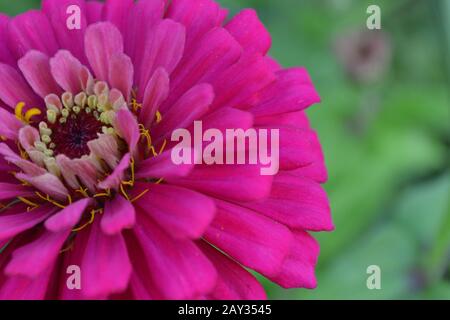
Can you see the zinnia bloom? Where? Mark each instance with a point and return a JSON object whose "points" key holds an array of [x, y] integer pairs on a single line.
{"points": [[86, 173]]}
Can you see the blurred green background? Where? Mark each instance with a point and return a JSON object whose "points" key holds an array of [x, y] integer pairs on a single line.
{"points": [[386, 140]]}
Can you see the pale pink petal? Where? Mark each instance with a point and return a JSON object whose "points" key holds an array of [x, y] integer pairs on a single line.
{"points": [[128, 128], [121, 74], [35, 67], [48, 184], [119, 214], [102, 41], [162, 166], [27, 166], [106, 148], [66, 70]]}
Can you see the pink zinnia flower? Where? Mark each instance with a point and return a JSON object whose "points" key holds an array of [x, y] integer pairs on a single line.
{"points": [[86, 174]]}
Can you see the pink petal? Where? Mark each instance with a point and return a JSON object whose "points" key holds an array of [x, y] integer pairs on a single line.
{"points": [[128, 128], [10, 125], [234, 182], [162, 166], [106, 148], [5, 53], [27, 166], [143, 17], [298, 270], [102, 41], [11, 190], [94, 11], [48, 184], [116, 11], [166, 257], [67, 71], [121, 74], [297, 202], [253, 240], [241, 84], [214, 53], [35, 67], [155, 93], [20, 220], [249, 31], [71, 40], [234, 282], [14, 89], [31, 30], [199, 17], [293, 91], [116, 177], [34, 258], [180, 212], [190, 107], [106, 265], [163, 49], [67, 218], [24, 288], [119, 214]]}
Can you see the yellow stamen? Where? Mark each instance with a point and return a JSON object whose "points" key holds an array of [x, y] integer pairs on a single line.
{"points": [[19, 110], [93, 213], [31, 113], [48, 199], [122, 189], [139, 196], [83, 192], [158, 117], [106, 194]]}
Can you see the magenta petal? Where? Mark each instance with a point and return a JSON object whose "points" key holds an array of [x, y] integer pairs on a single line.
{"points": [[162, 166], [10, 125], [190, 107], [297, 202], [163, 49], [166, 257], [117, 11], [298, 268], [234, 182], [35, 67], [94, 11], [34, 258], [255, 241], [198, 17], [14, 89], [155, 94], [67, 218], [249, 31], [13, 224], [181, 212], [102, 41], [233, 282], [121, 74], [119, 214], [215, 52], [32, 30], [5, 53], [70, 39], [143, 17], [114, 180], [11, 190], [106, 265], [24, 288], [293, 91]]}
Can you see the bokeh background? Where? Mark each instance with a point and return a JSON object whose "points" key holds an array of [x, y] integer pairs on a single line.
{"points": [[385, 127]]}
